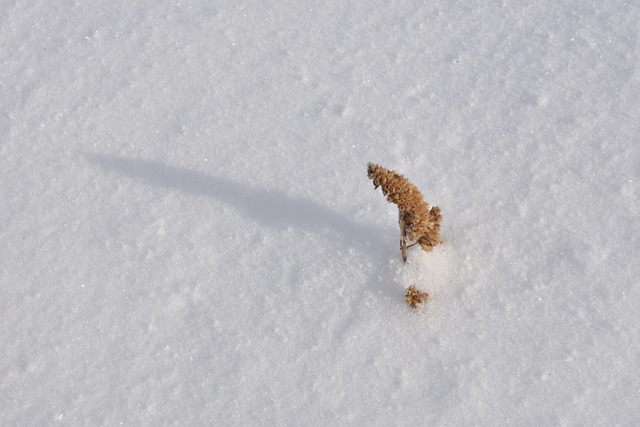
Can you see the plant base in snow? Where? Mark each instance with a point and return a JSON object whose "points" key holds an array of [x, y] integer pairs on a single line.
{"points": [[418, 223], [415, 297]]}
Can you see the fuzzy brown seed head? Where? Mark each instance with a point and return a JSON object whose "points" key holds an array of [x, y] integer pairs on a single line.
{"points": [[417, 222], [397, 188], [414, 297]]}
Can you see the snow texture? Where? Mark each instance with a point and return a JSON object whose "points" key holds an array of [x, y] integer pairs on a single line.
{"points": [[189, 236]]}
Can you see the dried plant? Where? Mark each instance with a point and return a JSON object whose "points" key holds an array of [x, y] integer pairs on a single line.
{"points": [[414, 297], [418, 223]]}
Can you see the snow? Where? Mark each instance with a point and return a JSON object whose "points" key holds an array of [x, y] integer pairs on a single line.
{"points": [[189, 236]]}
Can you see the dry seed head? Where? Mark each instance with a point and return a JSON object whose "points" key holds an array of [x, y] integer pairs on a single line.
{"points": [[414, 297], [421, 224]]}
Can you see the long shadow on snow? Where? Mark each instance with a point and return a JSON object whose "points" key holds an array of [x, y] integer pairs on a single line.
{"points": [[272, 208]]}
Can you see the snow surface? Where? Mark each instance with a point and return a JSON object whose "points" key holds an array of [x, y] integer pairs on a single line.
{"points": [[189, 236]]}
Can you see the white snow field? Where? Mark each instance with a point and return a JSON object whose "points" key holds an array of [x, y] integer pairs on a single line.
{"points": [[189, 236]]}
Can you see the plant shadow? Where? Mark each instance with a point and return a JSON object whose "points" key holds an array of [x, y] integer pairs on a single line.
{"points": [[271, 208]]}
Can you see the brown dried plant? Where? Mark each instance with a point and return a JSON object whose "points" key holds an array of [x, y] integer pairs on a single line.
{"points": [[414, 297], [418, 223]]}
